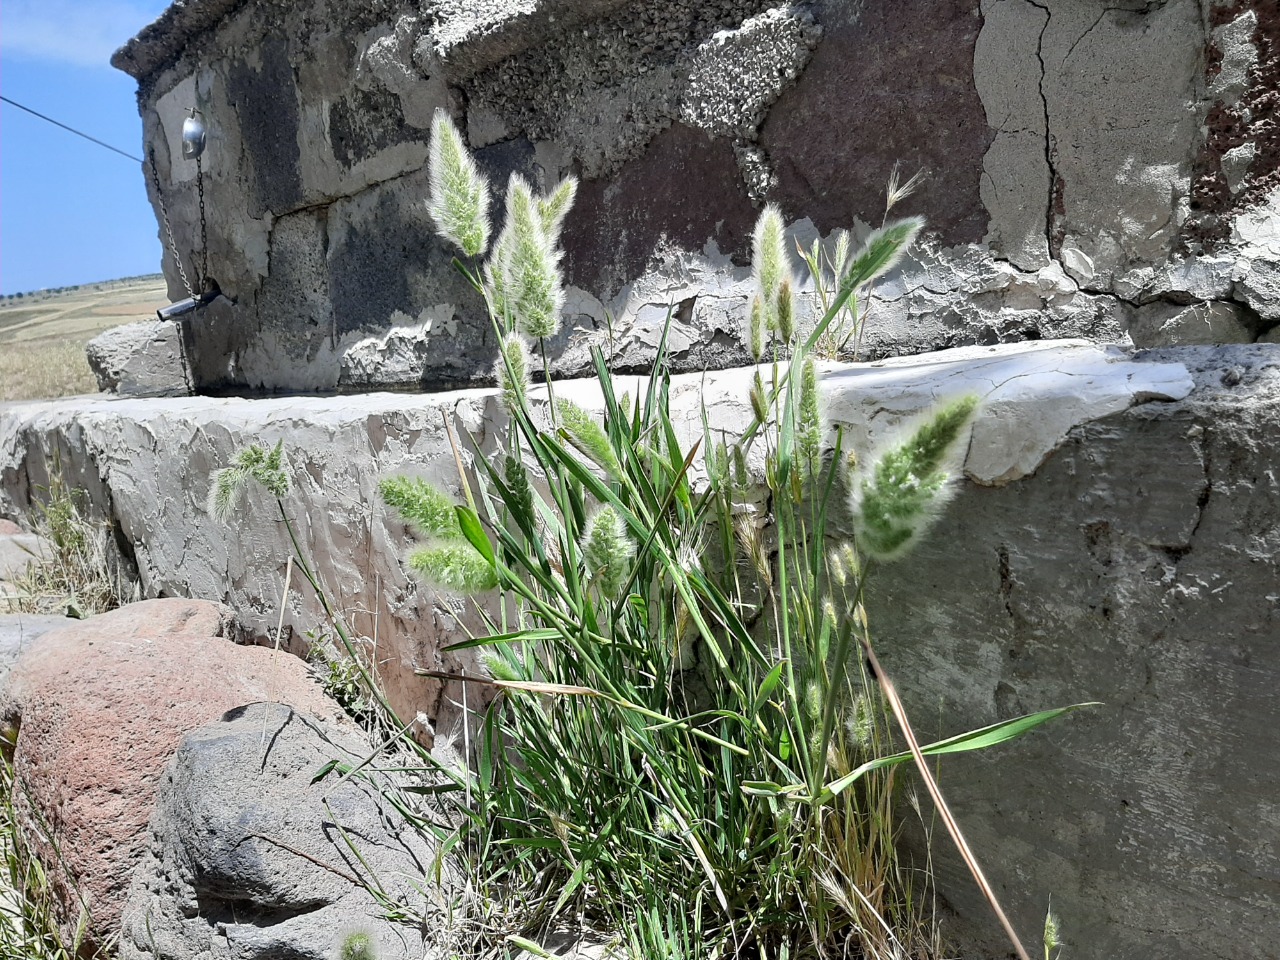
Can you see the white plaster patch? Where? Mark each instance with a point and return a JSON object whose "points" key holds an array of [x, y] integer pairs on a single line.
{"points": [[1033, 395], [1239, 55]]}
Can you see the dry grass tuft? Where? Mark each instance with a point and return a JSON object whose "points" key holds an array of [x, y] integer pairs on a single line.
{"points": [[42, 369]]}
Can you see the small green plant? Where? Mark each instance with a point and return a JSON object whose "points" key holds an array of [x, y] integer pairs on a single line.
{"points": [[358, 946], [692, 742], [78, 574], [29, 905]]}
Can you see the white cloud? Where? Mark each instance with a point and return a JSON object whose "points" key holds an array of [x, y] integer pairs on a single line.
{"points": [[81, 32]]}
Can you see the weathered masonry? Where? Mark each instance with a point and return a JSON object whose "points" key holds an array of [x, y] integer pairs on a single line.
{"points": [[1097, 169]]}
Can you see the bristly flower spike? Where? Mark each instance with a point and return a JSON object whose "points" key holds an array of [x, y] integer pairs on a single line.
{"points": [[756, 330], [769, 260], [458, 196], [555, 207], [607, 551], [511, 370], [809, 429], [533, 288], [899, 495]]}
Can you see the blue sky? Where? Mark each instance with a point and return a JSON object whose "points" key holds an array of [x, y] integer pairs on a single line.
{"points": [[71, 212]]}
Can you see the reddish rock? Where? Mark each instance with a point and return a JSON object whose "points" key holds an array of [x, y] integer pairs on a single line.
{"points": [[101, 706], [8, 527]]}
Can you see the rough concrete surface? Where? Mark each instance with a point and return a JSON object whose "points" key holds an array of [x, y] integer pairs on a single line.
{"points": [[248, 855], [140, 360], [1140, 567], [1080, 160], [1118, 540]]}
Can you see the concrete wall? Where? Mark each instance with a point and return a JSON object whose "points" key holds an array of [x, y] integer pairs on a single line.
{"points": [[1117, 539], [1092, 168]]}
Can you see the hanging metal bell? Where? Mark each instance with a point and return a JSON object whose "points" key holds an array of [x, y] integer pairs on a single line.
{"points": [[192, 137]]}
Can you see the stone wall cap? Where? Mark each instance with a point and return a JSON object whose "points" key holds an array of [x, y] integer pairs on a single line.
{"points": [[466, 36], [162, 41]]}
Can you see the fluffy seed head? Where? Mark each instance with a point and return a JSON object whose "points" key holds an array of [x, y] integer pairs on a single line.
{"points": [[553, 208], [458, 196], [769, 257], [900, 493], [453, 565], [759, 406], [358, 946], [532, 287], [607, 551], [756, 330], [786, 310], [587, 435], [511, 370], [427, 508], [809, 418]]}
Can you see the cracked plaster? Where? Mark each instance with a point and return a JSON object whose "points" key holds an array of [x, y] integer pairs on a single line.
{"points": [[1081, 202]]}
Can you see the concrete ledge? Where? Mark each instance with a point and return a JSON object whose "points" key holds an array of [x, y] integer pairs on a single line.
{"points": [[1119, 540]]}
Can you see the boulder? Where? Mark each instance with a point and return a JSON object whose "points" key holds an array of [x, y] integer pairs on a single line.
{"points": [[98, 707], [17, 551], [143, 359], [252, 858], [1179, 325]]}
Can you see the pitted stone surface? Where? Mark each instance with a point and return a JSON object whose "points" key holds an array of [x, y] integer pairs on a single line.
{"points": [[98, 707], [248, 855]]}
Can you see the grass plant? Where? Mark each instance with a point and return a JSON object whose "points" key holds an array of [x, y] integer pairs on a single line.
{"points": [[691, 742], [682, 714], [29, 906], [77, 574]]}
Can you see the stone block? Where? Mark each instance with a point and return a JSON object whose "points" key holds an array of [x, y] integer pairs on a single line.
{"points": [[98, 708], [143, 359]]}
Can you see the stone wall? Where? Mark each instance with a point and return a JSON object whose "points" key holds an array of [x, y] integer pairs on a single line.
{"points": [[1092, 168], [1117, 539]]}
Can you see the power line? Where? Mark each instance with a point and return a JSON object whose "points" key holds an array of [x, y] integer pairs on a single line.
{"points": [[78, 133]]}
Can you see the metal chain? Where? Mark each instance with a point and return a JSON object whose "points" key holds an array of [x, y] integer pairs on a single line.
{"points": [[203, 276], [168, 227]]}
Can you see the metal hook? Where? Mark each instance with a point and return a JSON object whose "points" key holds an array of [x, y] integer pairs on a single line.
{"points": [[193, 136]]}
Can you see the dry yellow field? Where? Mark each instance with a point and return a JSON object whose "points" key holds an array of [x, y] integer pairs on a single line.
{"points": [[42, 335]]}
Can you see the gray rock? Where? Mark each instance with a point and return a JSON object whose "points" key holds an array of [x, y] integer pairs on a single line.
{"points": [[1137, 567], [1131, 494], [18, 551], [249, 859], [1173, 325], [143, 359], [17, 631]]}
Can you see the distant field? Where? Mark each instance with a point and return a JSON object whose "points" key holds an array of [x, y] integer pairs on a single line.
{"points": [[42, 335]]}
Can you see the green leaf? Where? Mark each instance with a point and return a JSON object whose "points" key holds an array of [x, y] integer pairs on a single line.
{"points": [[470, 526], [978, 739], [767, 686]]}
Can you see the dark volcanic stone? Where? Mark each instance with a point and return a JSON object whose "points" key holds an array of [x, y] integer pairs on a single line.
{"points": [[266, 102], [891, 83], [685, 187]]}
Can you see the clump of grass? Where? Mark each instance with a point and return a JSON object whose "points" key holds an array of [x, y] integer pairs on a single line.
{"points": [[29, 906], [681, 715], [79, 574]]}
